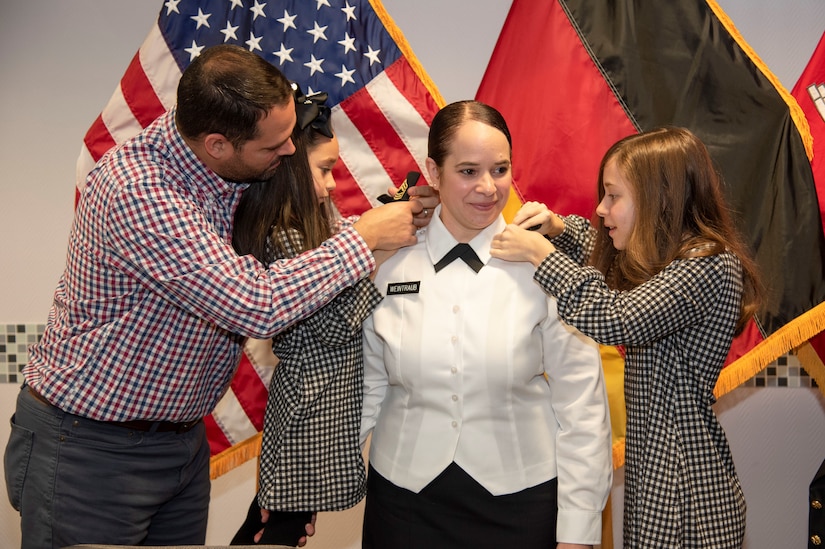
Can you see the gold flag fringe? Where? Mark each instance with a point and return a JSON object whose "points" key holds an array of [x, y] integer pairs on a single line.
{"points": [[235, 455], [796, 333], [788, 337], [797, 114], [405, 48], [618, 453], [793, 335]]}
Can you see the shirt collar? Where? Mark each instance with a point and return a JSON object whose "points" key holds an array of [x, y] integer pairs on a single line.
{"points": [[209, 184], [439, 241]]}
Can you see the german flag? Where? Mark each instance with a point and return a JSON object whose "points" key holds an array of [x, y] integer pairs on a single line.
{"points": [[573, 76]]}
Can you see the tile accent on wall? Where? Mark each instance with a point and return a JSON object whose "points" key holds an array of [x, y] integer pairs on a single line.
{"points": [[14, 343], [16, 338], [785, 371]]}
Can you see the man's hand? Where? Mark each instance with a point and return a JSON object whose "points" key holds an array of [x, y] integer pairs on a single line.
{"points": [[426, 194], [389, 226]]}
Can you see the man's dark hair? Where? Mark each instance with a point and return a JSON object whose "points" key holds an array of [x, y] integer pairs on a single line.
{"points": [[227, 90]]}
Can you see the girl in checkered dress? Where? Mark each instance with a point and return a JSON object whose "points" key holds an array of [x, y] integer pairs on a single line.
{"points": [[668, 277], [311, 456]]}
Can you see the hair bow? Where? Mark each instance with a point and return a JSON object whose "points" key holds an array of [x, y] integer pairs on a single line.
{"points": [[312, 111]]}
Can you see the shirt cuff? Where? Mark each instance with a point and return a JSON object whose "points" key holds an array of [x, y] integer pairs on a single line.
{"points": [[579, 526], [355, 251]]}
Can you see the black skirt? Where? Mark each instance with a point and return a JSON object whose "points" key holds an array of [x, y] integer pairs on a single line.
{"points": [[454, 511]]}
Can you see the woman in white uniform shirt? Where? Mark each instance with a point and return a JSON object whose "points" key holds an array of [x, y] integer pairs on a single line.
{"points": [[489, 416]]}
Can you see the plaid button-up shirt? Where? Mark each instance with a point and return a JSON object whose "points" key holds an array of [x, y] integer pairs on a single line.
{"points": [[149, 316]]}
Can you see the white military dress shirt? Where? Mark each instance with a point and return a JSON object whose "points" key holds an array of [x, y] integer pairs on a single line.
{"points": [[455, 367]]}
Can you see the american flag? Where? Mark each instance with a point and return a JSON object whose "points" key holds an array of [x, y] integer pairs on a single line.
{"points": [[382, 104]]}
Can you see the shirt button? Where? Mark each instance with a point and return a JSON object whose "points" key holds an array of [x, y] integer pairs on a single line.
{"points": [[453, 370], [454, 339], [816, 504], [456, 308], [455, 398], [455, 424]]}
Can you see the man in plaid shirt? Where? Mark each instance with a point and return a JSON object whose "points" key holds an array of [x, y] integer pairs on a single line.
{"points": [[145, 333]]}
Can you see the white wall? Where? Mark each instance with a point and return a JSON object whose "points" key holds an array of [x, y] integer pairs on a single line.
{"points": [[59, 64]]}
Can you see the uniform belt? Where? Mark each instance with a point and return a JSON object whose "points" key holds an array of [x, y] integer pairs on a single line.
{"points": [[143, 425]]}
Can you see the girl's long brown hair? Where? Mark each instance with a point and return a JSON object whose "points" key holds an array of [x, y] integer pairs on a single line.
{"points": [[287, 201], [681, 212]]}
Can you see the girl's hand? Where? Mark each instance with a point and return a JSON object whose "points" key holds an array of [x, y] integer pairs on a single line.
{"points": [[517, 244], [536, 213], [310, 530], [429, 198]]}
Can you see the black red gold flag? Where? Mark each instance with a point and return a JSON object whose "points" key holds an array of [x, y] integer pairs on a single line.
{"points": [[573, 76]]}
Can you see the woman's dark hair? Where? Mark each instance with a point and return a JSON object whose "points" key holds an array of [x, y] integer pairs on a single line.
{"points": [[681, 212], [447, 120], [283, 213], [228, 90]]}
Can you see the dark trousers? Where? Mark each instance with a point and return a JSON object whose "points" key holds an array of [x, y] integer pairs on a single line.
{"points": [[76, 480], [454, 512]]}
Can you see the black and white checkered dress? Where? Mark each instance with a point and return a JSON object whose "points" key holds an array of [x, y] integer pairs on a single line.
{"points": [[311, 457], [681, 488]]}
